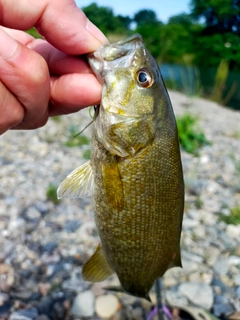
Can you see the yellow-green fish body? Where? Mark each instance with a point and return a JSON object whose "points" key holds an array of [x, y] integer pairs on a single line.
{"points": [[135, 171]]}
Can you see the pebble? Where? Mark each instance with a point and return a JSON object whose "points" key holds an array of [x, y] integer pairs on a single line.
{"points": [[106, 306], [199, 293], [83, 304]]}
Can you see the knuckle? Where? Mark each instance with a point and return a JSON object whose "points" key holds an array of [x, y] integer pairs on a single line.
{"points": [[39, 74]]}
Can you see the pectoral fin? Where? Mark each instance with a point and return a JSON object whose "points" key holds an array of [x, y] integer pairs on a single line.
{"points": [[97, 269], [78, 183], [112, 183]]}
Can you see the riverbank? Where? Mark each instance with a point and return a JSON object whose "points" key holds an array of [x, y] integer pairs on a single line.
{"points": [[43, 244]]}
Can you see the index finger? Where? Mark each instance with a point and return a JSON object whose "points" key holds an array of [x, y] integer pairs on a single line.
{"points": [[61, 22]]}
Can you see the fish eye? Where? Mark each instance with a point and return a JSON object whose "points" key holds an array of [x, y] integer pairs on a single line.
{"points": [[144, 78]]}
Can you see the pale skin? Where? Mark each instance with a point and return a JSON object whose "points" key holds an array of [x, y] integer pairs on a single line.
{"points": [[42, 78]]}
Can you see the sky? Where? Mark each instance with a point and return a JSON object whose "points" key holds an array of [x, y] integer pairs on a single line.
{"points": [[163, 9]]}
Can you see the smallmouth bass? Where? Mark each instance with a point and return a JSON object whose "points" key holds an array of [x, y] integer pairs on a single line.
{"points": [[135, 172]]}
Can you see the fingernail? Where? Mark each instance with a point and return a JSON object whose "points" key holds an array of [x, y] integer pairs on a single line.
{"points": [[8, 44], [96, 32]]}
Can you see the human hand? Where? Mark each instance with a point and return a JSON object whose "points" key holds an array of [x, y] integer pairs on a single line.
{"points": [[40, 78]]}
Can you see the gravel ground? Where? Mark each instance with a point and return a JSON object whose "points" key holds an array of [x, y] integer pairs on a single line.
{"points": [[44, 244]]}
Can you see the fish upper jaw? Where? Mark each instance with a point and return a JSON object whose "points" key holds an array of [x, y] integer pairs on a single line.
{"points": [[118, 55]]}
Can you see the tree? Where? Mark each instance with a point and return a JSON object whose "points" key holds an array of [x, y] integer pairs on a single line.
{"points": [[144, 17], [183, 19], [219, 15], [105, 20], [219, 38]]}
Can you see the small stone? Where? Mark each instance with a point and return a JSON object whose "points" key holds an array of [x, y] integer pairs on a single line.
{"points": [[50, 247], [6, 276], [83, 304], [106, 306], [45, 305], [233, 231], [234, 260], [221, 266], [43, 317], [222, 309], [212, 254], [174, 297], [32, 213], [198, 293], [3, 298], [238, 292], [137, 314], [234, 316], [25, 314], [17, 225], [237, 279]]}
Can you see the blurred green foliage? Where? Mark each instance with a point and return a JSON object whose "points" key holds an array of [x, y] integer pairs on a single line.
{"points": [[233, 218], [205, 37], [190, 135], [51, 194], [76, 139]]}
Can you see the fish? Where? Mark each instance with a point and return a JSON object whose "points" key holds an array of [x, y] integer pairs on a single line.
{"points": [[135, 172]]}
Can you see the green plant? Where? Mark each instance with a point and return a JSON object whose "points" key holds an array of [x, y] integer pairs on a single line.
{"points": [[76, 139], [233, 218], [198, 202], [87, 154], [190, 135], [56, 118], [51, 194]]}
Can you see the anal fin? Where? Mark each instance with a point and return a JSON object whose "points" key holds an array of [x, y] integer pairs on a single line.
{"points": [[97, 268]]}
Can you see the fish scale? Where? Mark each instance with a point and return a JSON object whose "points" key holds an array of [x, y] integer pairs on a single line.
{"points": [[135, 172]]}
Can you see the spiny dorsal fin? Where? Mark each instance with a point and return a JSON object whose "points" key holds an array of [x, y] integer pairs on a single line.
{"points": [[78, 183], [97, 269]]}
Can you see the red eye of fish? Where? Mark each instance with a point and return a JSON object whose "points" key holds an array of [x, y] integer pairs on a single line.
{"points": [[144, 78]]}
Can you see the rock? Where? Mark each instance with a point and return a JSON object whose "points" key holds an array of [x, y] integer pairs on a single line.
{"points": [[221, 266], [137, 314], [222, 309], [83, 304], [106, 306], [25, 314], [4, 297], [233, 231], [43, 317], [175, 297], [238, 292], [6, 276], [237, 279], [234, 260], [45, 305], [50, 247], [200, 294]]}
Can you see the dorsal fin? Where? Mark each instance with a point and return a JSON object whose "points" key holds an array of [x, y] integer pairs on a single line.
{"points": [[78, 184]]}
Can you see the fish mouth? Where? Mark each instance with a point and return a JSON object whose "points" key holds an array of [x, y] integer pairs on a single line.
{"points": [[116, 55]]}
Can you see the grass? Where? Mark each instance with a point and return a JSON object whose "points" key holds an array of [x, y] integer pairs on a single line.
{"points": [[190, 135], [76, 139], [51, 194], [233, 218], [87, 154]]}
